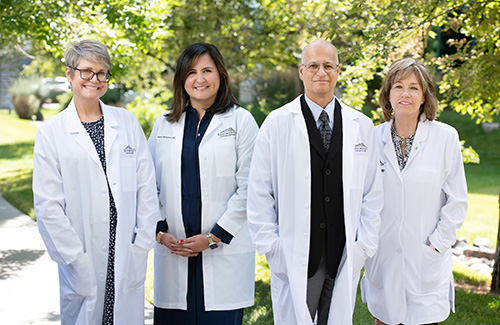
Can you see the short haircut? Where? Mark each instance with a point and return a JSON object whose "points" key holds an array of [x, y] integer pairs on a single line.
{"points": [[224, 100], [402, 69], [87, 49]]}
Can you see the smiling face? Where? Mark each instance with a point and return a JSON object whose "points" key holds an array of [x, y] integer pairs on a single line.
{"points": [[87, 90], [202, 82], [319, 86], [406, 97]]}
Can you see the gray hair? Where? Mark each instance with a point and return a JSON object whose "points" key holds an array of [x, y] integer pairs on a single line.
{"points": [[87, 49]]}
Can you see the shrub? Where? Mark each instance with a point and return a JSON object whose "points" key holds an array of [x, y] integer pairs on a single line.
{"points": [[147, 110], [25, 96]]}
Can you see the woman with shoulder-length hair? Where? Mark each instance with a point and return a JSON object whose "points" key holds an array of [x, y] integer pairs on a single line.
{"points": [[410, 279], [95, 197], [202, 147]]}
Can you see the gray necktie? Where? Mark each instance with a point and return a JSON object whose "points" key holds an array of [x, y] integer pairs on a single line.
{"points": [[325, 130]]}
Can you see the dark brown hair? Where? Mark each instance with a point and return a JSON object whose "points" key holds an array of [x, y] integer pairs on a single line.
{"points": [[224, 100], [401, 69]]}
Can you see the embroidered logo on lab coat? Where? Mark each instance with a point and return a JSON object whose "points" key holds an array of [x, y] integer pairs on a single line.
{"points": [[360, 148], [229, 132], [128, 150]]}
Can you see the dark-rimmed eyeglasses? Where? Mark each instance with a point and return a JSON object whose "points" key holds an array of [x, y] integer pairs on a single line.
{"points": [[314, 67], [87, 74]]}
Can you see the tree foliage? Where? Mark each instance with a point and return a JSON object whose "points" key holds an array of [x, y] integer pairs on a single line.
{"points": [[145, 37]]}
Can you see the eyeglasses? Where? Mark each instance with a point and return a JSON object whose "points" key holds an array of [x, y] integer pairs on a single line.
{"points": [[86, 74], [314, 67]]}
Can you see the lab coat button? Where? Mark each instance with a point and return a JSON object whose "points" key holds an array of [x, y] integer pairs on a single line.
{"points": [[306, 235], [327, 199], [308, 176], [306, 206], [399, 251], [105, 220], [101, 276], [103, 191], [204, 158], [104, 248], [114, 182], [205, 193]]}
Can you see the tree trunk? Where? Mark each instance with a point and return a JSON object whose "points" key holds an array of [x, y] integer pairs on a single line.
{"points": [[495, 276]]}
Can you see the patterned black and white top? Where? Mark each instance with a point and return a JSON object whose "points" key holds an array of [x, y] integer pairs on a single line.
{"points": [[397, 146], [96, 133]]}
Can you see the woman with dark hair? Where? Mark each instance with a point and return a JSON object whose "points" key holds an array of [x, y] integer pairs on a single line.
{"points": [[202, 147], [409, 280]]}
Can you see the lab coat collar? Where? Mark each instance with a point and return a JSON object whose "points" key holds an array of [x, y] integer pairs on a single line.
{"points": [[75, 127], [217, 120], [419, 142]]}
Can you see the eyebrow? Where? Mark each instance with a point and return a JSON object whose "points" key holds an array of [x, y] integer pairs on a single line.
{"points": [[91, 69]]}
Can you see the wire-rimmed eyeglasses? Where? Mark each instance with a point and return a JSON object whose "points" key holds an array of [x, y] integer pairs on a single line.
{"points": [[314, 67], [87, 74]]}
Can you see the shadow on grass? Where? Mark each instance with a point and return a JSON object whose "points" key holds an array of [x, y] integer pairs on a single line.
{"points": [[16, 150]]}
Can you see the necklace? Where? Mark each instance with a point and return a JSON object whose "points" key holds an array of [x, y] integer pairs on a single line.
{"points": [[402, 140]]}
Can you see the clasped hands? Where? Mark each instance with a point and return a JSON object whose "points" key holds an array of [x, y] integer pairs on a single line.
{"points": [[189, 247]]}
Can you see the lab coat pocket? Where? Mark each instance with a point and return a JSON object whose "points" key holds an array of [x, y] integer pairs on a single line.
{"points": [[80, 276], [128, 174], [431, 269], [276, 261], [225, 158], [137, 265], [359, 259]]}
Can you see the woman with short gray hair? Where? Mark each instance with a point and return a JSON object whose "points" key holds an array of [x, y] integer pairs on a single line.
{"points": [[95, 197]]}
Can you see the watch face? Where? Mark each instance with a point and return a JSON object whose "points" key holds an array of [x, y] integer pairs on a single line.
{"points": [[213, 245]]}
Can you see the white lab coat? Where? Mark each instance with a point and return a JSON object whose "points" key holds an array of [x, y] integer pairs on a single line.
{"points": [[225, 153], [72, 209], [407, 281], [279, 200]]}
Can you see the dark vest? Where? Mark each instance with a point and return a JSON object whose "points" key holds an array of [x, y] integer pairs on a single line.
{"points": [[327, 203]]}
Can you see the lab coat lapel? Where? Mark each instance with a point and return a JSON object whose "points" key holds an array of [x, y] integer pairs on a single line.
{"points": [[418, 142], [298, 118], [214, 124], [110, 125], [350, 127], [389, 151], [76, 129]]}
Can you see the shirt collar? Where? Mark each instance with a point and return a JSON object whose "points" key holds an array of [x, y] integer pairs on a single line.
{"points": [[316, 109]]}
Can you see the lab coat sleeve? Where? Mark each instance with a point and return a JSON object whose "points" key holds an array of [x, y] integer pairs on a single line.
{"points": [[61, 239], [236, 215], [147, 200], [372, 201], [453, 212], [261, 204]]}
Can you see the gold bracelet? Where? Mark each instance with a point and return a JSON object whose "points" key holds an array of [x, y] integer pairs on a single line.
{"points": [[158, 237]]}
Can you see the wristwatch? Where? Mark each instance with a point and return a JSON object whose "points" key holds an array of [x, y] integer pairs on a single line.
{"points": [[158, 237], [211, 243]]}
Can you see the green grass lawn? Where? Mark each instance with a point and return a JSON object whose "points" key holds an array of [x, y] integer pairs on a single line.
{"points": [[16, 155]]}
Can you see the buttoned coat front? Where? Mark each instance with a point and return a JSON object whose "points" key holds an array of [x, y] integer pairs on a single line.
{"points": [[225, 153], [72, 208], [279, 198], [407, 281]]}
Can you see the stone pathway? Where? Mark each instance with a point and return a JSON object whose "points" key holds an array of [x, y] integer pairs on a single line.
{"points": [[29, 285]]}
